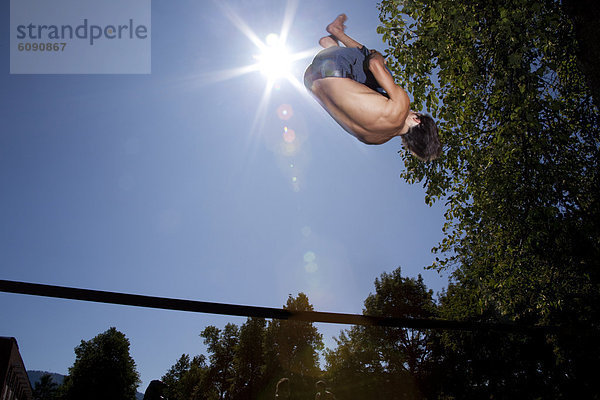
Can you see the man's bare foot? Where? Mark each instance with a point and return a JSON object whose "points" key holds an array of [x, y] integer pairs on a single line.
{"points": [[337, 26], [328, 41]]}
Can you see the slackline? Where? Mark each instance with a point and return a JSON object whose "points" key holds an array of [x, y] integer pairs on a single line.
{"points": [[136, 300]]}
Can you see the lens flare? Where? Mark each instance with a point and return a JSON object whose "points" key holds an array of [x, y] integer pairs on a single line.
{"points": [[309, 257], [285, 112], [311, 268], [289, 135]]}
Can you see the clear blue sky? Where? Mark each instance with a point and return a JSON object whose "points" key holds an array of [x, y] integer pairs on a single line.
{"points": [[158, 184]]}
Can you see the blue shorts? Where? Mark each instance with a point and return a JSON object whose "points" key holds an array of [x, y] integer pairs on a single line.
{"points": [[342, 62]]}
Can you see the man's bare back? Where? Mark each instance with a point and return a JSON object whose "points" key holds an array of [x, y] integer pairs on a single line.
{"points": [[362, 112]]}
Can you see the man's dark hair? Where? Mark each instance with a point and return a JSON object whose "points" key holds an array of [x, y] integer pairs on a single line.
{"points": [[422, 140]]}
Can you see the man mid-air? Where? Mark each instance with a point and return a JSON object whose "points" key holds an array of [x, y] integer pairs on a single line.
{"points": [[355, 87]]}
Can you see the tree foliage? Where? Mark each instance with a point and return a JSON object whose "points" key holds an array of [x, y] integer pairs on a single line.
{"points": [[221, 345], [520, 173], [188, 380], [473, 365], [45, 389], [249, 360], [246, 362], [103, 369], [384, 362], [291, 350]]}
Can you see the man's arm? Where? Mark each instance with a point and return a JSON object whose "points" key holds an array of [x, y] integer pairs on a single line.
{"points": [[397, 95]]}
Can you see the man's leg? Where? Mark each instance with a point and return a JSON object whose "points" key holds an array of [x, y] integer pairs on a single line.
{"points": [[337, 30], [328, 41]]}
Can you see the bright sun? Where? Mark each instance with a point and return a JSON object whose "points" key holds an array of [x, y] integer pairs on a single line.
{"points": [[275, 61]]}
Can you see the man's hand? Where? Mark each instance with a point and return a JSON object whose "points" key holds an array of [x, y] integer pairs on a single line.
{"points": [[375, 58]]}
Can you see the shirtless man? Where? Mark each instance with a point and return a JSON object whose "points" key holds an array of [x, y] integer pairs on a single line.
{"points": [[355, 87]]}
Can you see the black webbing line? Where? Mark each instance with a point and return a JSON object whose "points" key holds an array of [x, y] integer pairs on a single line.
{"points": [[99, 296]]}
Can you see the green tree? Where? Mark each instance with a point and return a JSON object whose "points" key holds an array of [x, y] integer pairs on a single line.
{"points": [[103, 369], [474, 364], [249, 360], [45, 389], [520, 174], [221, 345], [291, 350], [246, 362], [188, 380], [385, 362], [173, 378]]}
